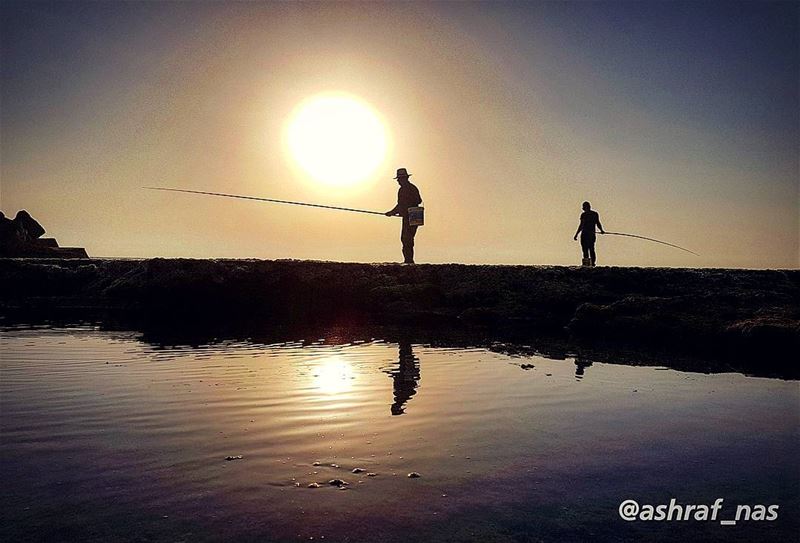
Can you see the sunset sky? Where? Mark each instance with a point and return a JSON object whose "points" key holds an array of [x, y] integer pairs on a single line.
{"points": [[679, 121]]}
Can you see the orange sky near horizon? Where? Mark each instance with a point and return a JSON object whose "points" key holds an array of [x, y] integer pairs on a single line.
{"points": [[503, 148]]}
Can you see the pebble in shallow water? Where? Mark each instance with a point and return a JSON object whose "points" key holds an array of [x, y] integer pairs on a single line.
{"points": [[338, 482], [316, 464], [237, 457], [313, 485], [372, 474], [414, 475], [359, 470]]}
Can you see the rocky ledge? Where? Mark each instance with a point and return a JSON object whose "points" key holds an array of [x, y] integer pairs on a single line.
{"points": [[703, 311]]}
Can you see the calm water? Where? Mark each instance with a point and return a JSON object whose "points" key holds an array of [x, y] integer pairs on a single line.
{"points": [[108, 438]]}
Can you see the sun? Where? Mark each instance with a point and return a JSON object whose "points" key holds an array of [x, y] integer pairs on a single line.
{"points": [[338, 139]]}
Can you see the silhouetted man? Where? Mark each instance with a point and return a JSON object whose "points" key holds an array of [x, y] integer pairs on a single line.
{"points": [[407, 196], [589, 220]]}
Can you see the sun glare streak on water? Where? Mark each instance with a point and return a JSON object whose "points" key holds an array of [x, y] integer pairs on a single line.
{"points": [[333, 375]]}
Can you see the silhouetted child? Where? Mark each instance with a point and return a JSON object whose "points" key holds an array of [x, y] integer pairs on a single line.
{"points": [[589, 221]]}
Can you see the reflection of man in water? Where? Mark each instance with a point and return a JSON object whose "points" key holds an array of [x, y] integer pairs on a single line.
{"points": [[406, 377], [580, 364], [589, 220]]}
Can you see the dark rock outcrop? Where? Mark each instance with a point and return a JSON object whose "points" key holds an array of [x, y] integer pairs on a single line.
{"points": [[22, 238]]}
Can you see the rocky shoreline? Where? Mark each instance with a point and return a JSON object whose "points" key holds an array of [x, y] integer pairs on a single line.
{"points": [[708, 312]]}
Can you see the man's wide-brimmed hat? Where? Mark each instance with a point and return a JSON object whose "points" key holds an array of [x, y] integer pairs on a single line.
{"points": [[402, 172]]}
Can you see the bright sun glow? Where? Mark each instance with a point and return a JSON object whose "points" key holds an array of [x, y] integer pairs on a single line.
{"points": [[333, 375], [336, 138]]}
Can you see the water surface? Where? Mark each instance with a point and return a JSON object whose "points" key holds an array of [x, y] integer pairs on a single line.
{"points": [[106, 437]]}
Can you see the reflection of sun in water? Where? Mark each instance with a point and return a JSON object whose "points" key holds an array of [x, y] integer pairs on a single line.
{"points": [[337, 138], [333, 375]]}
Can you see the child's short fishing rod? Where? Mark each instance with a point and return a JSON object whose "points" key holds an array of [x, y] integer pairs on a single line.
{"points": [[649, 239]]}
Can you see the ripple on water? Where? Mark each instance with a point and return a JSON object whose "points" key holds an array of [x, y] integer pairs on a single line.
{"points": [[221, 433]]}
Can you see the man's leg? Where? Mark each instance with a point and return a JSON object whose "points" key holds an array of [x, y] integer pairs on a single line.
{"points": [[592, 254], [407, 238], [585, 249]]}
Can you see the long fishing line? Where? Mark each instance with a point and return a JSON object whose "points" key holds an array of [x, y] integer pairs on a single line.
{"points": [[265, 200]]}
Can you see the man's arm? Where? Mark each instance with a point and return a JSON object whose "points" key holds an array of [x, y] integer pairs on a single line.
{"points": [[578, 231], [600, 226], [396, 209]]}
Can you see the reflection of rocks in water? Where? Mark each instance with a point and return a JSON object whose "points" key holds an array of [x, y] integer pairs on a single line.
{"points": [[580, 364], [406, 377]]}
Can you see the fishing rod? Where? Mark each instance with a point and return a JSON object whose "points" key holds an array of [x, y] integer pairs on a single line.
{"points": [[650, 239], [306, 204], [265, 200]]}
